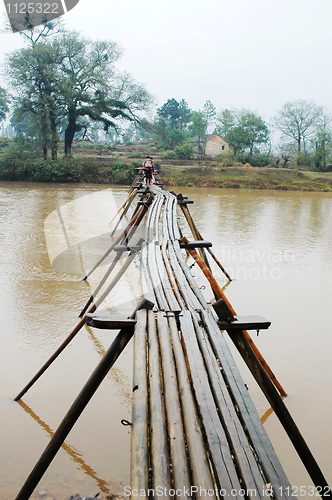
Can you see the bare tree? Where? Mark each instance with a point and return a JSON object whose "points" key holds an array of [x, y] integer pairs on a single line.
{"points": [[298, 120]]}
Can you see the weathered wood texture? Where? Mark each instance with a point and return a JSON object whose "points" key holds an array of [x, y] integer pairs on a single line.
{"points": [[214, 437]]}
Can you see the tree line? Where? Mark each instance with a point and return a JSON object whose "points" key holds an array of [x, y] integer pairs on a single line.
{"points": [[65, 86], [62, 82]]}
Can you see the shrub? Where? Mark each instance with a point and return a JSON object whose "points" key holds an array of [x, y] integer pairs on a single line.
{"points": [[184, 151]]}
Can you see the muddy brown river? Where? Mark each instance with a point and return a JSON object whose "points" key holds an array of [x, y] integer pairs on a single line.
{"points": [[277, 246]]}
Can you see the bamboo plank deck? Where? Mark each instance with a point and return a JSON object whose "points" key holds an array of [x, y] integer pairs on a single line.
{"points": [[195, 428]]}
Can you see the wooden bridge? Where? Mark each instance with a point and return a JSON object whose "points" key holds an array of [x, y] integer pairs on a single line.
{"points": [[195, 430]]}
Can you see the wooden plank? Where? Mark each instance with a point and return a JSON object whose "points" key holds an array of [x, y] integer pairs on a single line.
{"points": [[139, 469], [199, 463], [165, 282], [176, 229], [281, 410], [147, 287], [183, 285], [192, 283], [245, 323], [109, 321], [177, 444], [158, 441], [260, 441], [155, 278], [247, 466], [196, 244], [220, 453], [171, 278]]}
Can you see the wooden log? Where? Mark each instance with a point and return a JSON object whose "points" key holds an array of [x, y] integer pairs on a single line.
{"points": [[247, 411], [198, 236], [248, 468], [165, 283], [147, 287], [193, 229], [280, 409], [220, 452], [187, 293], [126, 239], [77, 328], [199, 462], [220, 294], [155, 278], [139, 461], [176, 303], [175, 224], [177, 445], [125, 211], [192, 283], [127, 248], [74, 412], [132, 193], [118, 240], [158, 440]]}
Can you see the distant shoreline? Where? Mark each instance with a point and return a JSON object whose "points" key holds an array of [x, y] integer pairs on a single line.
{"points": [[96, 165]]}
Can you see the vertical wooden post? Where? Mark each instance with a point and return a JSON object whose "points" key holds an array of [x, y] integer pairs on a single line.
{"points": [[280, 409], [220, 295], [74, 412], [77, 327]]}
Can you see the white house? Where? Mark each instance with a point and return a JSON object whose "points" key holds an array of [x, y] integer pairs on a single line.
{"points": [[215, 146]]}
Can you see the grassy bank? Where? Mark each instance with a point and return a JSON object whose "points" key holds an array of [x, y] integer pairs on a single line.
{"points": [[247, 177], [19, 161]]}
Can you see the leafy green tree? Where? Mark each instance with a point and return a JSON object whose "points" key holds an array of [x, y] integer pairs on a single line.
{"points": [[185, 114], [298, 120], [32, 74], [226, 120], [254, 129], [175, 137], [209, 112], [4, 101], [86, 69], [198, 128], [170, 112], [322, 143], [244, 130], [72, 81]]}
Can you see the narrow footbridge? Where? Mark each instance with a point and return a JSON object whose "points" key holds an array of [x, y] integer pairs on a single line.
{"points": [[195, 432]]}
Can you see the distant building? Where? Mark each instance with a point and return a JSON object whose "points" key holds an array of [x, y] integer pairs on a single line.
{"points": [[216, 146]]}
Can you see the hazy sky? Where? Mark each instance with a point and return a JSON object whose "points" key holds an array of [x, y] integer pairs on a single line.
{"points": [[256, 54]]}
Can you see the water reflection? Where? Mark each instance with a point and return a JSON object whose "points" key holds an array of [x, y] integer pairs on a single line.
{"points": [[74, 454]]}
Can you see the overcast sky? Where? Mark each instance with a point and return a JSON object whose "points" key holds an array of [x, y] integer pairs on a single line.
{"points": [[256, 54]]}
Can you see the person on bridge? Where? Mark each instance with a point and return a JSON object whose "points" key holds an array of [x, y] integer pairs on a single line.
{"points": [[148, 169]]}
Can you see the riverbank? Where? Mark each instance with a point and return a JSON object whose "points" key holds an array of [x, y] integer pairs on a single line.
{"points": [[247, 177], [109, 166]]}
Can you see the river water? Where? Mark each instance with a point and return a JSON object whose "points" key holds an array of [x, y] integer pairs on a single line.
{"points": [[277, 247]]}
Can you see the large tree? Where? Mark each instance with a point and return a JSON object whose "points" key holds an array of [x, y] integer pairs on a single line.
{"points": [[33, 75], [198, 129], [244, 130], [86, 70], [72, 81], [298, 120], [170, 112]]}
